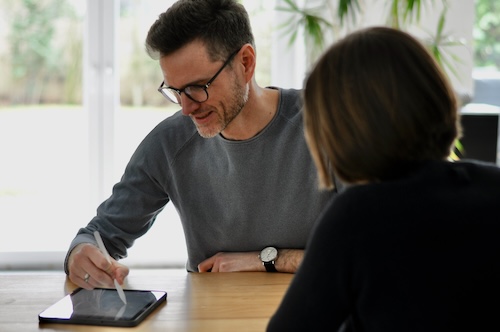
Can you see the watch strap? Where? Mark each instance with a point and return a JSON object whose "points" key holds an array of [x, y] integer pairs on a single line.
{"points": [[270, 266]]}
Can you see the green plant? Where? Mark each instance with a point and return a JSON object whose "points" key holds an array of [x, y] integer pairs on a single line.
{"points": [[310, 18], [487, 34], [401, 14], [316, 24], [35, 61]]}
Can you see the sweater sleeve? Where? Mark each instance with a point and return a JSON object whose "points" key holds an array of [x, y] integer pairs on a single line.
{"points": [[134, 204]]}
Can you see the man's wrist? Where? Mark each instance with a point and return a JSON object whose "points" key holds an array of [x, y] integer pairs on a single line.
{"points": [[288, 260], [268, 256]]}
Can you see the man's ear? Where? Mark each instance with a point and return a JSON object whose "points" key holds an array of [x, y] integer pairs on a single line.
{"points": [[248, 60]]}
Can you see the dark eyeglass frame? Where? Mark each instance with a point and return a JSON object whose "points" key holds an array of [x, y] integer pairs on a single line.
{"points": [[163, 89]]}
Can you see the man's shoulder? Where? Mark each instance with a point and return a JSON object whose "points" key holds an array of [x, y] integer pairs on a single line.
{"points": [[172, 133], [290, 105], [289, 95], [177, 122]]}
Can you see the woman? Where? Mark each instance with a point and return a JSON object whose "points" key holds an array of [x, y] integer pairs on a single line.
{"points": [[413, 243]]}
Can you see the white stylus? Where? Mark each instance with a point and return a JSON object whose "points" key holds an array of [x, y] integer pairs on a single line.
{"points": [[119, 288]]}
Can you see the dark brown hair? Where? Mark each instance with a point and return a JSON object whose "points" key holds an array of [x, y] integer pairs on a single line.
{"points": [[376, 103], [222, 25]]}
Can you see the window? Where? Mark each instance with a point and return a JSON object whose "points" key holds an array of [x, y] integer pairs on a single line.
{"points": [[486, 72], [487, 35], [75, 102], [44, 181]]}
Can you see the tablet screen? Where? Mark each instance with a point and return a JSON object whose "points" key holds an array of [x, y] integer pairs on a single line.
{"points": [[103, 307]]}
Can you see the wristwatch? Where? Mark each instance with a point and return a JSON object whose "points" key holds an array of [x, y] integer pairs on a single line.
{"points": [[268, 257]]}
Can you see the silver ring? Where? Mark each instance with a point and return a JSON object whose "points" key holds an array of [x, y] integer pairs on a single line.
{"points": [[86, 277]]}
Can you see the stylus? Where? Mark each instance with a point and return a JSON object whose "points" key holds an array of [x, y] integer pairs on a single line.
{"points": [[119, 288]]}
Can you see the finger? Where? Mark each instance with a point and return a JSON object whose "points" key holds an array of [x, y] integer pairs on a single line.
{"points": [[215, 267], [88, 259], [78, 280], [113, 270], [88, 282], [101, 261], [91, 277], [121, 272], [91, 261], [79, 265], [216, 264], [206, 265], [100, 278]]}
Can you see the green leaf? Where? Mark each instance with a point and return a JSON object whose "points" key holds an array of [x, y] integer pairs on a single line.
{"points": [[346, 7]]}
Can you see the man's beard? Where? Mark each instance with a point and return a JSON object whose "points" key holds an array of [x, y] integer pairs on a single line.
{"points": [[231, 109]]}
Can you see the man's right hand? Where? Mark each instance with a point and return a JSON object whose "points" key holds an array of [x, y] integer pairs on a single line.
{"points": [[89, 268]]}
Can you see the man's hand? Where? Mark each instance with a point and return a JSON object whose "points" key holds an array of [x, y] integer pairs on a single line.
{"points": [[89, 268], [288, 261], [232, 262]]}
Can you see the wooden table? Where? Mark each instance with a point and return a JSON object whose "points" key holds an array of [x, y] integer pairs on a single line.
{"points": [[242, 301]]}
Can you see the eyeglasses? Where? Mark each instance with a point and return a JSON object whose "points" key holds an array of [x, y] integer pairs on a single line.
{"points": [[197, 93]]}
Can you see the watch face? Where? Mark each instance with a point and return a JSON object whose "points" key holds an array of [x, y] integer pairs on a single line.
{"points": [[268, 254]]}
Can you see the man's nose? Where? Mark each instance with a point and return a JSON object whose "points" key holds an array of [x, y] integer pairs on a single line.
{"points": [[188, 105]]}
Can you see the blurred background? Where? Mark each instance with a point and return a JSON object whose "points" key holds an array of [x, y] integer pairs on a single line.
{"points": [[78, 93]]}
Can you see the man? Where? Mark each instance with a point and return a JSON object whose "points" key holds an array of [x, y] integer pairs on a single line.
{"points": [[234, 161]]}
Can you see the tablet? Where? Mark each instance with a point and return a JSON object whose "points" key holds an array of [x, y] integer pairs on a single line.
{"points": [[102, 306]]}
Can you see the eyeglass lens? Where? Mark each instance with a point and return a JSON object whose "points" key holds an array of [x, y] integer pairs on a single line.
{"points": [[195, 93]]}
